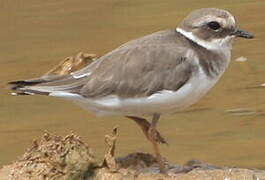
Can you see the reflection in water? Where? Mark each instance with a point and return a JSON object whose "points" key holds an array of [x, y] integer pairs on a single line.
{"points": [[245, 111], [241, 59], [36, 34], [241, 111]]}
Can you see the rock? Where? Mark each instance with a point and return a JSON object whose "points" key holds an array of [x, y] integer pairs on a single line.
{"points": [[71, 64], [53, 157], [68, 158], [109, 158]]}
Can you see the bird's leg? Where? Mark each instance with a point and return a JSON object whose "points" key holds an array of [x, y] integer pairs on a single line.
{"points": [[152, 135], [145, 126]]}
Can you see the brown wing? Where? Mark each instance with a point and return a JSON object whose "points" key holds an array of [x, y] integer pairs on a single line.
{"points": [[139, 71]]}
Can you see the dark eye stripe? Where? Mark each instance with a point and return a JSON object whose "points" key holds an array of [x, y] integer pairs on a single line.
{"points": [[213, 25]]}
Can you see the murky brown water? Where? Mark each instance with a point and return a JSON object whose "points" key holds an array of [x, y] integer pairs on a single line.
{"points": [[35, 35]]}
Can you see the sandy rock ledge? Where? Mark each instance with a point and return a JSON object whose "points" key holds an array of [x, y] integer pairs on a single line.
{"points": [[68, 158]]}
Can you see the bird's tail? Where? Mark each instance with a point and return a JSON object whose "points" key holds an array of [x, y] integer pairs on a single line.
{"points": [[46, 85], [21, 87]]}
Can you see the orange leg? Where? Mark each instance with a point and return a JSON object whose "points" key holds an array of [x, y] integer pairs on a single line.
{"points": [[153, 136]]}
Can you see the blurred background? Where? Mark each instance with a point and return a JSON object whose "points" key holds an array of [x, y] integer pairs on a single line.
{"points": [[226, 128]]}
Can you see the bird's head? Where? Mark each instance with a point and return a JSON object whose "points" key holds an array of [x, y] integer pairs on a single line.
{"points": [[212, 28]]}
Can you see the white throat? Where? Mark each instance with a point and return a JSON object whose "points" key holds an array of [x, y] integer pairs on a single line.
{"points": [[214, 45]]}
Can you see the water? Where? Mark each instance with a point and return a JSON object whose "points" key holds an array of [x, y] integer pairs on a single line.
{"points": [[226, 128]]}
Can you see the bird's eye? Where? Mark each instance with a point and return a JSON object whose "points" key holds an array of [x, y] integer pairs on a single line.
{"points": [[214, 25]]}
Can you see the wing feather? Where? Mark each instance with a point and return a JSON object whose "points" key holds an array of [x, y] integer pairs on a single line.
{"points": [[140, 71]]}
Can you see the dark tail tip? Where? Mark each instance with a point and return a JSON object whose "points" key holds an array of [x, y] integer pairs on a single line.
{"points": [[14, 85], [19, 87]]}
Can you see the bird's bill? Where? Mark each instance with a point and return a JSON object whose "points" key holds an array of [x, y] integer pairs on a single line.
{"points": [[242, 34]]}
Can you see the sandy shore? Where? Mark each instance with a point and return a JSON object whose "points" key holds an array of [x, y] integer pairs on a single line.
{"points": [[69, 158]]}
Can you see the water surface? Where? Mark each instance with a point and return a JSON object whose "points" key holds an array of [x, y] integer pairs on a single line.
{"points": [[227, 127]]}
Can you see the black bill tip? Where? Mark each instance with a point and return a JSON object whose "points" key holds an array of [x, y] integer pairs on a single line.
{"points": [[242, 34]]}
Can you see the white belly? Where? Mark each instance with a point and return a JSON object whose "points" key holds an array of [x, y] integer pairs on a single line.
{"points": [[162, 102]]}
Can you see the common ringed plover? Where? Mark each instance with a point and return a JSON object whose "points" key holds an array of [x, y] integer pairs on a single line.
{"points": [[157, 74]]}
